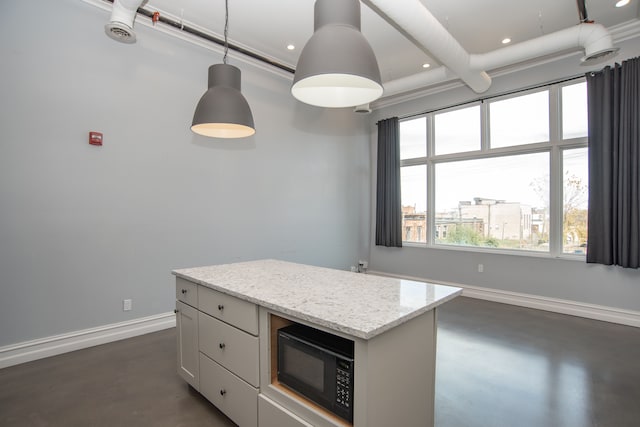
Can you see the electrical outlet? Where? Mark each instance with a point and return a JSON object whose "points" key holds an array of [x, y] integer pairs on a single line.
{"points": [[126, 304], [480, 268]]}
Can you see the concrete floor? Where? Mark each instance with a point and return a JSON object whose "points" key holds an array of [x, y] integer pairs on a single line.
{"points": [[498, 365], [502, 365]]}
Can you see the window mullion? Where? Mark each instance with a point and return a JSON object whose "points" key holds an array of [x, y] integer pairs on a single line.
{"points": [[555, 173], [485, 136], [555, 202], [431, 199]]}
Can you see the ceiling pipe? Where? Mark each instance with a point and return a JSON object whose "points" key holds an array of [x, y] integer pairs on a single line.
{"points": [[419, 80], [425, 29], [178, 24], [419, 25], [594, 39], [120, 26]]}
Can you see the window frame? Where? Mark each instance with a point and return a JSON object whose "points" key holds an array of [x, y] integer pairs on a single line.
{"points": [[555, 146]]}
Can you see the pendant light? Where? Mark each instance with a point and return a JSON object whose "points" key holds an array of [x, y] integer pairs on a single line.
{"points": [[223, 112], [337, 67]]}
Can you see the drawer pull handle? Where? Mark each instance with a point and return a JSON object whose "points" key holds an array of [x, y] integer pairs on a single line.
{"points": [[184, 291], [222, 345], [223, 392], [176, 311], [220, 307]]}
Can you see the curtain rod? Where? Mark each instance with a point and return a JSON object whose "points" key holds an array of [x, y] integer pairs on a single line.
{"points": [[187, 29], [568, 79]]}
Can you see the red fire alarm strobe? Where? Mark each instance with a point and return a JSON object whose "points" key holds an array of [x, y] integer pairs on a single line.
{"points": [[95, 138]]}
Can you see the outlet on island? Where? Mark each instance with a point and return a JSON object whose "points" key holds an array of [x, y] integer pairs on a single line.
{"points": [[126, 304]]}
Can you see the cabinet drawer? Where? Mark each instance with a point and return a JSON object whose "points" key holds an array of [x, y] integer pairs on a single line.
{"points": [[231, 310], [271, 414], [237, 399], [186, 292], [232, 348]]}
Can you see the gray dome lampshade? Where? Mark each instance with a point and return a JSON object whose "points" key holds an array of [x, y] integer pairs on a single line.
{"points": [[223, 112], [337, 67]]}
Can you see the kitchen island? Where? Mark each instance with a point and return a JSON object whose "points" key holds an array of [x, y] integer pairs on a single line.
{"points": [[228, 317]]}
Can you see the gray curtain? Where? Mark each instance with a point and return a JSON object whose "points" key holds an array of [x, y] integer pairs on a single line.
{"points": [[614, 164], [388, 202]]}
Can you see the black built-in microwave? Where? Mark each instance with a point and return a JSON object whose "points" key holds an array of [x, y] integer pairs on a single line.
{"points": [[318, 366]]}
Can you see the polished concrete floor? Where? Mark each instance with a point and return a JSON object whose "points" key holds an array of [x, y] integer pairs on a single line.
{"points": [[131, 382], [501, 365], [498, 365]]}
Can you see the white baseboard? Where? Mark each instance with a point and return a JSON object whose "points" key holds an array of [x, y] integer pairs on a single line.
{"points": [[573, 308], [50, 346]]}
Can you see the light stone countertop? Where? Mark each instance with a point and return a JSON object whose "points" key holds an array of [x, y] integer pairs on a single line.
{"points": [[360, 305]]}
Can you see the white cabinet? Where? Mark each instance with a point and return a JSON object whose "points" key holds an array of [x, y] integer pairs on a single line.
{"points": [[230, 347], [187, 349], [187, 292], [233, 311], [393, 386], [227, 350], [273, 415], [230, 394], [218, 349]]}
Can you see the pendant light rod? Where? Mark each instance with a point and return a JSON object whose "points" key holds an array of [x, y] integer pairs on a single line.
{"points": [[194, 32], [226, 31]]}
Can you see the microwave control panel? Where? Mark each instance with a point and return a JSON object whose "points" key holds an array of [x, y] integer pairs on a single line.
{"points": [[344, 385]]}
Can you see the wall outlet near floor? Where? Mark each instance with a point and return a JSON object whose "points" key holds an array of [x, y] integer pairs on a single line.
{"points": [[126, 304], [362, 267], [480, 268]]}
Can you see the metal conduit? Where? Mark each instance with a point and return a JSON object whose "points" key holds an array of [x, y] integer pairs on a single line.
{"points": [[190, 30]]}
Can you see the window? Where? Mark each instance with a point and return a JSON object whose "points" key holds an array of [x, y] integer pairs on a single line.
{"points": [[413, 133], [575, 192], [450, 137], [520, 120], [574, 111], [414, 202], [487, 202], [493, 188]]}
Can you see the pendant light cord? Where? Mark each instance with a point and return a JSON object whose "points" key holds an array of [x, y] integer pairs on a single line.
{"points": [[226, 31]]}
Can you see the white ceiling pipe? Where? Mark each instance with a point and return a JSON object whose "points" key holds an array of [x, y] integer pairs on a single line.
{"points": [[593, 38], [125, 11], [597, 42], [120, 26], [419, 80], [424, 28]]}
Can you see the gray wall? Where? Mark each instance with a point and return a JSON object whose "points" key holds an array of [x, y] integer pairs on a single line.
{"points": [[555, 278], [83, 227]]}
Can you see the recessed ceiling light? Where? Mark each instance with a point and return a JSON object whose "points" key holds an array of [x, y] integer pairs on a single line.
{"points": [[621, 3], [506, 40], [290, 47], [425, 65]]}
